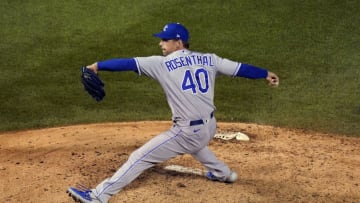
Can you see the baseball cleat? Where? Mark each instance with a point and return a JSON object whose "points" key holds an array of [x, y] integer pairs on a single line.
{"points": [[85, 196], [230, 179]]}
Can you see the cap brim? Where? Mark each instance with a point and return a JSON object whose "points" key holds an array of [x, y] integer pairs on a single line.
{"points": [[163, 35]]}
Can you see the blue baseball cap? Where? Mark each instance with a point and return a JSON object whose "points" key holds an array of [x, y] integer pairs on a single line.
{"points": [[174, 31]]}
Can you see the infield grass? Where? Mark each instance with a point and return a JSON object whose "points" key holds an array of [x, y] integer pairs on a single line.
{"points": [[312, 45]]}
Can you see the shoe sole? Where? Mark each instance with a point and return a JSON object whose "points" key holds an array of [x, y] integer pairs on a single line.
{"points": [[75, 198], [231, 179]]}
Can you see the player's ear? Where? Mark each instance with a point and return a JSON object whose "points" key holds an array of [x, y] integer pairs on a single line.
{"points": [[180, 43]]}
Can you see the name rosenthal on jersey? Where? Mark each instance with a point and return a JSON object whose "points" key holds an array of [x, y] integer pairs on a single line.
{"points": [[182, 61]]}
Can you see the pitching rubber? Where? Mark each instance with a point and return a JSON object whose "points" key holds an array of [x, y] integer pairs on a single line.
{"points": [[183, 169], [231, 135]]}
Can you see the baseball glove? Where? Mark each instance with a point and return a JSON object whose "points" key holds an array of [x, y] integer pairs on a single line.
{"points": [[92, 83]]}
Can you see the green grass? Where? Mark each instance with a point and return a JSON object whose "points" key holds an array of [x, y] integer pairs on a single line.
{"points": [[312, 45]]}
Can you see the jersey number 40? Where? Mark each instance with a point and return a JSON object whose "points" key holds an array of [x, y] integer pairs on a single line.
{"points": [[197, 82]]}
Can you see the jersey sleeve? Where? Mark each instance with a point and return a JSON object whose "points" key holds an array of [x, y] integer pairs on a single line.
{"points": [[149, 66], [225, 66]]}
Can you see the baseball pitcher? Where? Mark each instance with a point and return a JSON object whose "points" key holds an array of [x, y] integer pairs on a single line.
{"points": [[188, 80]]}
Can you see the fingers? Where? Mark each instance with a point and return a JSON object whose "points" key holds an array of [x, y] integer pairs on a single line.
{"points": [[274, 82], [273, 79]]}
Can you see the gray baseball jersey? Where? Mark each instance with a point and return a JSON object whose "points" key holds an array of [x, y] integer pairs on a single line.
{"points": [[188, 79]]}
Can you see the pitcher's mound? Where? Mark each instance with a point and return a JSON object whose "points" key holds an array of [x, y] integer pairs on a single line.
{"points": [[274, 165]]}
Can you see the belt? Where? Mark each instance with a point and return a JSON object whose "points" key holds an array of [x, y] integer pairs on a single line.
{"points": [[200, 121]]}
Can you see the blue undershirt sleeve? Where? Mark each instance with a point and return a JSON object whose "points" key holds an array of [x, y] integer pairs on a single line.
{"points": [[122, 64], [250, 71]]}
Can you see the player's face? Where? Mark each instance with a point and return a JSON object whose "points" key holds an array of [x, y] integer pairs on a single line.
{"points": [[169, 46]]}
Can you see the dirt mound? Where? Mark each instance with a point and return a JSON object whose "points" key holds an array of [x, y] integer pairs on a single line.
{"points": [[276, 165]]}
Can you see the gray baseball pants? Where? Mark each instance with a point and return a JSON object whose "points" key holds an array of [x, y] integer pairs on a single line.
{"points": [[182, 138]]}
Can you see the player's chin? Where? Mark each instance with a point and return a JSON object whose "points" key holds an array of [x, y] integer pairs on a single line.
{"points": [[165, 52]]}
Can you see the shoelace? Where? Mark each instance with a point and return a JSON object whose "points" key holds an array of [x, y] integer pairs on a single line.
{"points": [[85, 190], [82, 187]]}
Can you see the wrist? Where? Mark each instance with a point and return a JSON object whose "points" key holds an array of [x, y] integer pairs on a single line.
{"points": [[93, 67]]}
